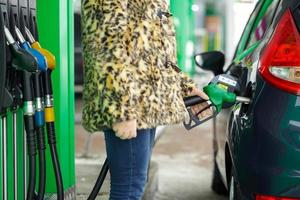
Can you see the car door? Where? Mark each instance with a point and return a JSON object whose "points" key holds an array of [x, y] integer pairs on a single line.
{"points": [[243, 65], [239, 131]]}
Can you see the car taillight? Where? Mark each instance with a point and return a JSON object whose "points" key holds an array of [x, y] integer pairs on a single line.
{"points": [[280, 61], [263, 197]]}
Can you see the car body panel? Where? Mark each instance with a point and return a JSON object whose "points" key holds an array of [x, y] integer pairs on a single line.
{"points": [[265, 144], [262, 140]]}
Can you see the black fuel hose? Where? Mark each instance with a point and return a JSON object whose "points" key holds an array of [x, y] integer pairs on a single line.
{"points": [[32, 177], [42, 162], [30, 132], [31, 146], [188, 101], [99, 181], [55, 160], [40, 134], [49, 111]]}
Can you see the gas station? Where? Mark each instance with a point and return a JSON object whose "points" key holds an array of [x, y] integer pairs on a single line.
{"points": [[45, 153]]}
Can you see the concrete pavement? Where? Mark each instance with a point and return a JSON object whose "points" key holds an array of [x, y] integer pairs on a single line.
{"points": [[185, 164]]}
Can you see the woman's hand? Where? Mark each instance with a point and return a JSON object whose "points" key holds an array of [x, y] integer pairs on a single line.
{"points": [[197, 108], [200, 93], [125, 130]]}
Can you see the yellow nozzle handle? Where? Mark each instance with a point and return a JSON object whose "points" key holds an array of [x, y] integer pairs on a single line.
{"points": [[50, 58], [49, 115]]}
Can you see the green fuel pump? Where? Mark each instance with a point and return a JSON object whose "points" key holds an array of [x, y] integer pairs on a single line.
{"points": [[25, 87], [24, 61]]}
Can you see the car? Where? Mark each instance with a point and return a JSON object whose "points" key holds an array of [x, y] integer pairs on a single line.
{"points": [[257, 146]]}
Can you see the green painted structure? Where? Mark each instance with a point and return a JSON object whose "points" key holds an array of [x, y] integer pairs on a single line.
{"points": [[55, 24], [186, 21]]}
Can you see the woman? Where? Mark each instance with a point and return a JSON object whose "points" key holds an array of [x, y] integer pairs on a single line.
{"points": [[131, 84]]}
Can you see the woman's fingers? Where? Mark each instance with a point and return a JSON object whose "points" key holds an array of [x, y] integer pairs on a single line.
{"points": [[202, 110], [197, 108], [199, 93]]}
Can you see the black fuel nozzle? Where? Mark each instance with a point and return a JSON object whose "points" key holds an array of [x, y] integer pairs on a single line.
{"points": [[22, 59]]}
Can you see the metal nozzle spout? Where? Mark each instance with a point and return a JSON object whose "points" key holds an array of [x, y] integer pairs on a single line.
{"points": [[10, 39], [244, 100], [29, 35], [19, 35]]}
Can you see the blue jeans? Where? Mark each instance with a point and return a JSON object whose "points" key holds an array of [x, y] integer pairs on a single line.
{"points": [[128, 162]]}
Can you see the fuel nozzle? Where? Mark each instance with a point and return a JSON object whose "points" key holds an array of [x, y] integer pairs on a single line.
{"points": [[50, 58], [21, 59], [222, 94], [19, 35], [41, 61], [29, 36], [10, 39]]}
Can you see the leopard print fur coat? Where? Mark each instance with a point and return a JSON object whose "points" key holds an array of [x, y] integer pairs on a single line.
{"points": [[129, 49]]}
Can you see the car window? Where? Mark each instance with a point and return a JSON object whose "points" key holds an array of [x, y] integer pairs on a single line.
{"points": [[262, 22], [244, 38]]}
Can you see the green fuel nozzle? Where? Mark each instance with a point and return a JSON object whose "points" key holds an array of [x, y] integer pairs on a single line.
{"points": [[221, 91], [219, 95]]}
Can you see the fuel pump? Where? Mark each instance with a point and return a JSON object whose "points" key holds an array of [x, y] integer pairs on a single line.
{"points": [[24, 61], [32, 36], [25, 81], [49, 110], [39, 110]]}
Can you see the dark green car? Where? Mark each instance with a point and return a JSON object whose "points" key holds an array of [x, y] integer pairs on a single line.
{"points": [[257, 155]]}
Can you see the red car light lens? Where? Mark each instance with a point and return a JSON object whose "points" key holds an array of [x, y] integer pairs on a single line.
{"points": [[263, 197], [280, 61]]}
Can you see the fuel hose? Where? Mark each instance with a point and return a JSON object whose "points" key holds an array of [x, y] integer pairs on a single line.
{"points": [[49, 118], [30, 133], [40, 134]]}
